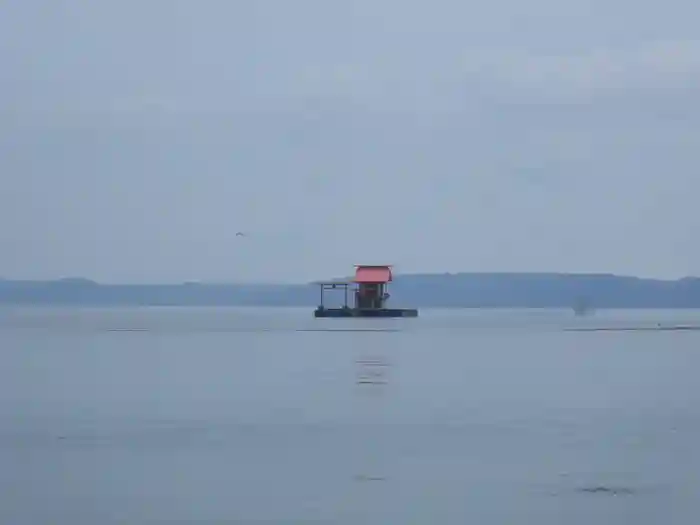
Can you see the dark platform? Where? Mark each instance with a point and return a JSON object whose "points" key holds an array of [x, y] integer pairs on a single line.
{"points": [[365, 312]]}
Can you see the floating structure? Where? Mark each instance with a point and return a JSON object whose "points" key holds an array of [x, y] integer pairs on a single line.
{"points": [[369, 291]]}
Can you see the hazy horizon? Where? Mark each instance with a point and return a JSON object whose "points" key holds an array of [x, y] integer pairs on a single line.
{"points": [[347, 278], [137, 138]]}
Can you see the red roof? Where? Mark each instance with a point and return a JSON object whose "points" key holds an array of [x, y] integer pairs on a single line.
{"points": [[373, 274]]}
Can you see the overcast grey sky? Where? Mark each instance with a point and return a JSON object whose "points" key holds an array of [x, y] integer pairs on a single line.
{"points": [[137, 137]]}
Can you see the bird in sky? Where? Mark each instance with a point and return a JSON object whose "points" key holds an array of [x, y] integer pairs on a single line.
{"points": [[240, 234]]}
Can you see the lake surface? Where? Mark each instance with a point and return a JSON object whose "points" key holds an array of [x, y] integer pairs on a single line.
{"points": [[180, 415]]}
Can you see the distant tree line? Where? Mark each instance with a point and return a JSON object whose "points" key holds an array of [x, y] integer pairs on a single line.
{"points": [[464, 290]]}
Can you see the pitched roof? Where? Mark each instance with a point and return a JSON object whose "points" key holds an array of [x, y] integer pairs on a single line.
{"points": [[373, 274]]}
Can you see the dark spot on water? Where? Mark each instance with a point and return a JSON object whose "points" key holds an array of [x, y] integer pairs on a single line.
{"points": [[369, 478], [657, 328], [605, 490], [343, 330]]}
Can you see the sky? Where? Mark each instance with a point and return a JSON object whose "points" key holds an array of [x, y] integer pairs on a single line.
{"points": [[137, 138]]}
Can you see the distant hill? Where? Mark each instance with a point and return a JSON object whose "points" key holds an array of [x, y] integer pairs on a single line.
{"points": [[463, 290]]}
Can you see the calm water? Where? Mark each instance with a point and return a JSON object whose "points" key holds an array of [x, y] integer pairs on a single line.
{"points": [[264, 416]]}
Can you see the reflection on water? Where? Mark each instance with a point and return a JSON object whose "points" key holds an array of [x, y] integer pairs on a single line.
{"points": [[372, 374], [372, 371]]}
